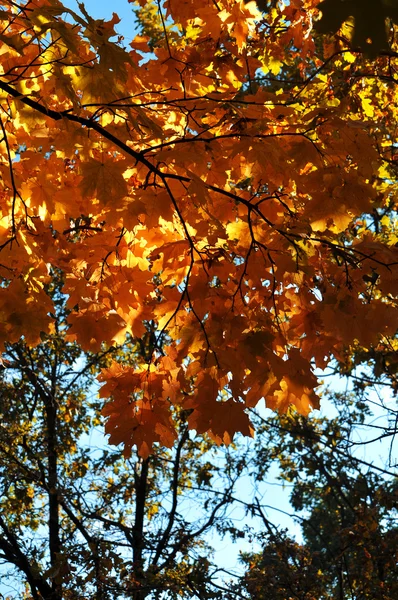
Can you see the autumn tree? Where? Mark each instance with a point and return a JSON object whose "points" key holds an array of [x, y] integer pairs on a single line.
{"points": [[221, 193], [231, 180], [346, 506], [77, 520]]}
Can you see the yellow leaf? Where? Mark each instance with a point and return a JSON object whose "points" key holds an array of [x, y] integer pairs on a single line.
{"points": [[367, 107]]}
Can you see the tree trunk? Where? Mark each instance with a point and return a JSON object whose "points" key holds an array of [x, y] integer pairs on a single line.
{"points": [[53, 504], [141, 479]]}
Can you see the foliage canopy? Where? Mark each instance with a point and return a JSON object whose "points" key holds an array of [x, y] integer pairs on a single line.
{"points": [[77, 520], [223, 190], [345, 506]]}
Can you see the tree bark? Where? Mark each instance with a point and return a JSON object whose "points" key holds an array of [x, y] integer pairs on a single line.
{"points": [[140, 480]]}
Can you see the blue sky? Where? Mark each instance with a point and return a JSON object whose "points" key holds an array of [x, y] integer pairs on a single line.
{"points": [[103, 9], [100, 9]]}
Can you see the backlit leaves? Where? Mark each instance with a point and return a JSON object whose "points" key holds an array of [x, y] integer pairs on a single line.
{"points": [[229, 202], [104, 180]]}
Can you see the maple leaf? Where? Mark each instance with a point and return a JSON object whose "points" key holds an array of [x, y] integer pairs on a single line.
{"points": [[94, 326], [240, 20], [22, 314], [104, 179], [140, 423]]}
